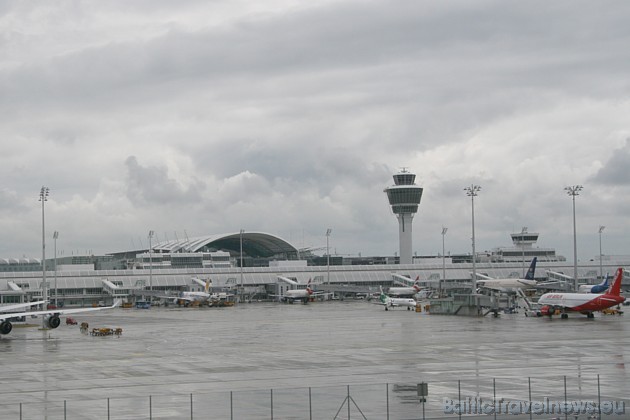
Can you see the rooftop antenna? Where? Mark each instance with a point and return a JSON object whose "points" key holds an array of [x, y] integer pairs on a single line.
{"points": [[187, 240]]}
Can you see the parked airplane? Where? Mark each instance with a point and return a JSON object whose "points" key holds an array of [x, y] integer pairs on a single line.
{"points": [[189, 298], [304, 295], [51, 316], [405, 291], [595, 288], [390, 302], [585, 303], [511, 284]]}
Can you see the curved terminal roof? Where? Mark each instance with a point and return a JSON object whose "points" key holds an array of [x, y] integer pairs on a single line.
{"points": [[255, 244]]}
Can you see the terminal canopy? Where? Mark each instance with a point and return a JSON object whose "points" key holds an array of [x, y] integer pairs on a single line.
{"points": [[255, 244]]}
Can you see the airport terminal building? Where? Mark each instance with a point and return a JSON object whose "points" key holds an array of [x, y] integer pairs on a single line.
{"points": [[256, 265]]}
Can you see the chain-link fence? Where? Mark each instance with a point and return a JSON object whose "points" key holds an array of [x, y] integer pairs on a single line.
{"points": [[492, 398]]}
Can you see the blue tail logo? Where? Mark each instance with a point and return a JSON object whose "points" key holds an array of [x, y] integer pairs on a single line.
{"points": [[531, 270]]}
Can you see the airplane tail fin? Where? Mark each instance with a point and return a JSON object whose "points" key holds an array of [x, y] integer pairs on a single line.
{"points": [[531, 270], [308, 287], [208, 282], [605, 282], [382, 297], [615, 287]]}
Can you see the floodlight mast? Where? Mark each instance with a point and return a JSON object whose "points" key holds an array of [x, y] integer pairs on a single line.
{"points": [[574, 191], [43, 197], [328, 232], [444, 230], [472, 192], [601, 271]]}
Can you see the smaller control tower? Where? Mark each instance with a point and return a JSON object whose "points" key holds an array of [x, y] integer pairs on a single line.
{"points": [[404, 197]]}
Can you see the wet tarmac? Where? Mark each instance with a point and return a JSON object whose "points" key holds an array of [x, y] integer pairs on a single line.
{"points": [[323, 360]]}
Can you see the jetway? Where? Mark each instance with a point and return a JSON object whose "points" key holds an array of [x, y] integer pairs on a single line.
{"points": [[288, 280], [556, 281], [402, 280]]}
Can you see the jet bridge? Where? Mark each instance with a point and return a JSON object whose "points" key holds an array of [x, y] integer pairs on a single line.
{"points": [[402, 280], [556, 281], [288, 280]]}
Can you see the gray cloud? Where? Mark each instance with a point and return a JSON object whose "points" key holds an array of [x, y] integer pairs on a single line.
{"points": [[615, 172], [289, 117], [152, 185]]}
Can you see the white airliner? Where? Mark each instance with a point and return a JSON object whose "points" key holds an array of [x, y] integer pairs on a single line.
{"points": [[390, 302], [510, 285], [405, 291], [51, 316], [304, 295], [594, 288], [189, 298], [584, 303]]}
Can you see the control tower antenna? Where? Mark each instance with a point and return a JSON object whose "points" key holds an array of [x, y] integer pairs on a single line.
{"points": [[404, 197]]}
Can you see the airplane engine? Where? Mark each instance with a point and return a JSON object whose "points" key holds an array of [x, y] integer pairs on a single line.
{"points": [[52, 321], [5, 327], [548, 310]]}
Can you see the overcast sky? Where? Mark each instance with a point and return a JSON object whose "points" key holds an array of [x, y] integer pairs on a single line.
{"points": [[290, 117]]}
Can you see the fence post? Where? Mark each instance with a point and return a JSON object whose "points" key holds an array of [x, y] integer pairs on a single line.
{"points": [[108, 409], [387, 398], [599, 400], [191, 407], [459, 397], [20, 411], [348, 402], [231, 407], [310, 404], [65, 414], [566, 414], [271, 403], [529, 385], [150, 408], [494, 396]]}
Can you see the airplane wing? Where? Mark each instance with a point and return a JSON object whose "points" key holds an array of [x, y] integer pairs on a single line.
{"points": [[20, 305], [482, 285], [57, 311]]}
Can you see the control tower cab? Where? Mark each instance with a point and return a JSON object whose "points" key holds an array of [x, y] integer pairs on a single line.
{"points": [[404, 197]]}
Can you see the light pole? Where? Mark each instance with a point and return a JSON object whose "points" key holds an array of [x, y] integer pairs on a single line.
{"points": [[43, 197], [573, 191], [241, 241], [601, 271], [472, 193], [151, 233], [328, 232], [444, 230], [55, 236], [523, 232]]}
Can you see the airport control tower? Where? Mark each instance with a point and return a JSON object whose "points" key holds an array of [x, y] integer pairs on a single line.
{"points": [[404, 197]]}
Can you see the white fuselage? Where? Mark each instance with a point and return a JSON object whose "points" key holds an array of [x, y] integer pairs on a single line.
{"points": [[297, 294], [405, 302], [507, 285], [402, 291]]}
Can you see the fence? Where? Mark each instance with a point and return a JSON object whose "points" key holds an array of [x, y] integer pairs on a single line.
{"points": [[488, 398]]}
